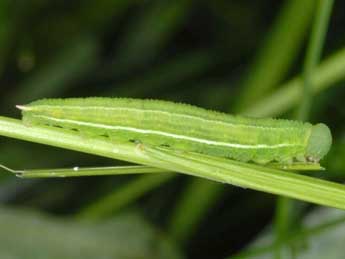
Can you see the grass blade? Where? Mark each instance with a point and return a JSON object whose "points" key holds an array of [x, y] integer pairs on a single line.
{"points": [[87, 171]]}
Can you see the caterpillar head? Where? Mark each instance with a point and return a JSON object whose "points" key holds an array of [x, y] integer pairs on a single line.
{"points": [[319, 142]]}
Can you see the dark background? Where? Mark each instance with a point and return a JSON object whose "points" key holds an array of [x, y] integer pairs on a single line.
{"points": [[198, 52]]}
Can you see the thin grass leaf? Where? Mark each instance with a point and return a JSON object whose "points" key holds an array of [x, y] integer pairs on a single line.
{"points": [[317, 39], [256, 177], [273, 61], [278, 52], [323, 232], [88, 171], [287, 210], [327, 74], [182, 225], [126, 194], [216, 169]]}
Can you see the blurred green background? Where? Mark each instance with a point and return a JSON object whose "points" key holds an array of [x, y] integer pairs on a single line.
{"points": [[235, 56]]}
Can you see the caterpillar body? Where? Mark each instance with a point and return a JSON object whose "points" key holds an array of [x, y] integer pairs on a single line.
{"points": [[185, 127]]}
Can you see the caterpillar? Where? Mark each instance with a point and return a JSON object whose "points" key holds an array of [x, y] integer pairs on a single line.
{"points": [[185, 127]]}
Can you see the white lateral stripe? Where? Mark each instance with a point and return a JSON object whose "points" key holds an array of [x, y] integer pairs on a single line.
{"points": [[165, 113], [171, 135]]}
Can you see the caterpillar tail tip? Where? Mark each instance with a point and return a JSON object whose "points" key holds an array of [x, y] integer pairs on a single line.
{"points": [[23, 108]]}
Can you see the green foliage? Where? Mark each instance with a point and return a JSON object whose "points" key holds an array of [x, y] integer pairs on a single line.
{"points": [[259, 58], [320, 237], [28, 234]]}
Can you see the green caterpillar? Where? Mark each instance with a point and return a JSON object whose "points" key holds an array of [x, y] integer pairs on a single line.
{"points": [[187, 128]]}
